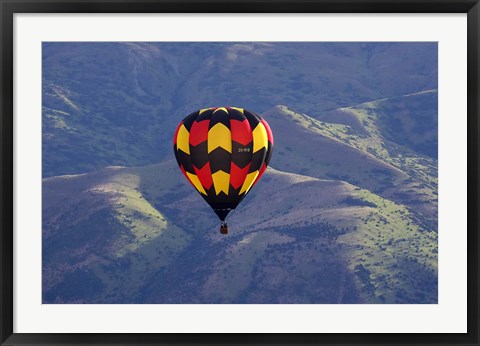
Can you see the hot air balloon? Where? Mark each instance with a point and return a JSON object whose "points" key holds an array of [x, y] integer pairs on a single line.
{"points": [[223, 152]]}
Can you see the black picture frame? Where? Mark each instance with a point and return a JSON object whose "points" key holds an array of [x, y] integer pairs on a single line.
{"points": [[9, 7]]}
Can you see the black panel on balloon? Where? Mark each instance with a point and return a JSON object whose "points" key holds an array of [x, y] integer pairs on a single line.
{"points": [[199, 154], [188, 121], [252, 119], [205, 115], [219, 117], [220, 160], [242, 154], [269, 153], [237, 115], [258, 159], [186, 161]]}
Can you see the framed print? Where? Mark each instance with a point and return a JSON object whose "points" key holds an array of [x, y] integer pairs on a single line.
{"points": [[239, 172]]}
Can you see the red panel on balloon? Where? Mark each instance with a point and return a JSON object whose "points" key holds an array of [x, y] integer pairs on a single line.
{"points": [[199, 132], [241, 131], [204, 174], [238, 175]]}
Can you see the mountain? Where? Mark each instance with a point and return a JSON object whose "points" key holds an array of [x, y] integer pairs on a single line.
{"points": [[118, 103], [347, 211], [338, 230], [141, 235]]}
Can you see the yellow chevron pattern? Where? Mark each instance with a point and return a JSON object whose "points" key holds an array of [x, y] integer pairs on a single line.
{"points": [[182, 140], [196, 182], [219, 136], [247, 184], [221, 181], [220, 109], [260, 138], [238, 109]]}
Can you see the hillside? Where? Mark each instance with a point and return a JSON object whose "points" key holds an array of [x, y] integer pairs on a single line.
{"points": [[357, 152], [141, 235], [118, 103], [408, 120]]}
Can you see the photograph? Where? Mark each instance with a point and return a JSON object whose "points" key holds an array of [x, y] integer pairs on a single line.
{"points": [[236, 172]]}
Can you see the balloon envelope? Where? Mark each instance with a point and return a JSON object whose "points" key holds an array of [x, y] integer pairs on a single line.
{"points": [[223, 152]]}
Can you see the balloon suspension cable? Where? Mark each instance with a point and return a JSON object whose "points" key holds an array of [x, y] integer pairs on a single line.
{"points": [[223, 228]]}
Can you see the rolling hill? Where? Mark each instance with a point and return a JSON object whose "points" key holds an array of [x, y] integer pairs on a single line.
{"points": [[141, 235]]}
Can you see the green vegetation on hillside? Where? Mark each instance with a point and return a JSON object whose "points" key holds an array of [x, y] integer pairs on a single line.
{"points": [[359, 154], [323, 242]]}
